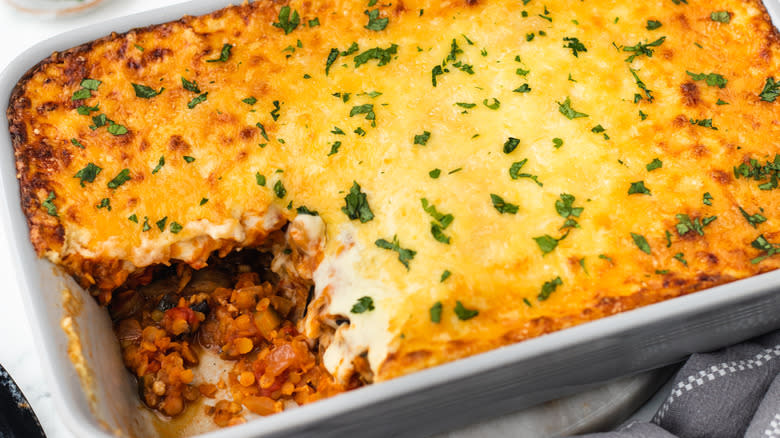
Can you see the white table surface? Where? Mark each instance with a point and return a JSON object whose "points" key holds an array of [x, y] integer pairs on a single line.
{"points": [[17, 354]]}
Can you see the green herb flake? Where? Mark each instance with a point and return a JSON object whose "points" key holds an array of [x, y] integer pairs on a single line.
{"points": [[363, 304], [707, 198], [422, 139], [547, 243], [769, 249], [653, 165], [638, 188], [81, 94], [557, 143], [720, 17], [463, 313], [203, 201], [122, 177], [771, 90], [642, 49], [445, 275], [175, 227], [287, 21], [116, 129], [752, 219], [315, 22], [404, 255], [251, 100], [511, 144], [514, 172], [367, 109], [356, 204], [566, 109], [502, 206], [161, 223], [383, 56], [435, 173], [76, 143], [685, 224], [145, 92], [260, 179], [188, 159], [680, 257], [88, 173], [197, 100], [90, 84], [224, 54], [522, 89], [160, 164], [705, 123], [146, 227], [494, 105], [133, 218], [374, 22], [279, 189], [712, 79], [641, 242], [190, 86], [48, 204], [435, 312], [548, 288], [575, 45], [85, 110], [334, 149], [653, 24]]}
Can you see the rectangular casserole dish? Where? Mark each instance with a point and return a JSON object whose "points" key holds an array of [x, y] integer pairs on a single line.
{"points": [[442, 398]]}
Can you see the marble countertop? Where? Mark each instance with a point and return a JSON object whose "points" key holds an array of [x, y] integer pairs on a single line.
{"points": [[18, 355]]}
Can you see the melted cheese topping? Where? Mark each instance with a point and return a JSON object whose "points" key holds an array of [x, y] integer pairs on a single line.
{"points": [[573, 58]]}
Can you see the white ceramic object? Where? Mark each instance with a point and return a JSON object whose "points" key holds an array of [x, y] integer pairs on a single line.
{"points": [[53, 8], [442, 398]]}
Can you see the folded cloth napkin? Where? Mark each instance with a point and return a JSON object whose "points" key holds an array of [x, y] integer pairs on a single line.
{"points": [[734, 392]]}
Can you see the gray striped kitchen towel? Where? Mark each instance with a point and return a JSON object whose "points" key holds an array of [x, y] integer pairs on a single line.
{"points": [[734, 392]]}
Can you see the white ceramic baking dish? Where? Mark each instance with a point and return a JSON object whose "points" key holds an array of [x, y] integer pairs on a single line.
{"points": [[445, 397]]}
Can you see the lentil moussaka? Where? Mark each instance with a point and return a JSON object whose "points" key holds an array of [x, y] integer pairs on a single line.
{"points": [[423, 180]]}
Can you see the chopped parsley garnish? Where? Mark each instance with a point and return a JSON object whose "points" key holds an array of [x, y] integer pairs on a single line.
{"points": [[203, 201], [557, 142], [175, 227], [48, 204], [224, 54], [705, 123], [548, 288], [279, 189], [363, 304], [575, 45], [547, 243], [445, 275], [275, 112], [494, 105], [765, 246], [90, 84], [160, 164], [80, 94], [188, 159], [146, 227], [356, 204], [435, 312], [360, 131], [77, 143], [133, 218], [502, 206], [116, 129], [161, 223], [374, 22], [720, 16], [197, 100], [642, 86], [655, 164], [686, 225], [437, 71], [367, 109], [315, 22], [287, 22], [514, 172], [262, 131], [641, 242], [440, 223], [332, 56], [771, 90], [511, 144], [643, 49], [522, 89], [88, 173], [145, 92], [251, 100], [638, 188], [466, 105], [759, 172], [566, 209], [680, 257], [463, 313], [653, 24], [122, 177], [435, 173], [334, 149], [712, 79], [752, 219], [404, 255], [721, 102], [422, 139], [707, 198], [382, 55], [190, 86], [353, 48], [260, 179], [305, 210], [85, 110], [566, 109]]}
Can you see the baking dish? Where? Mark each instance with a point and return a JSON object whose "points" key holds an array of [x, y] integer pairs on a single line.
{"points": [[586, 351]]}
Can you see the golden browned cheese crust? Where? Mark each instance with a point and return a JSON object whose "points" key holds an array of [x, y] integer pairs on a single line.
{"points": [[590, 122]]}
